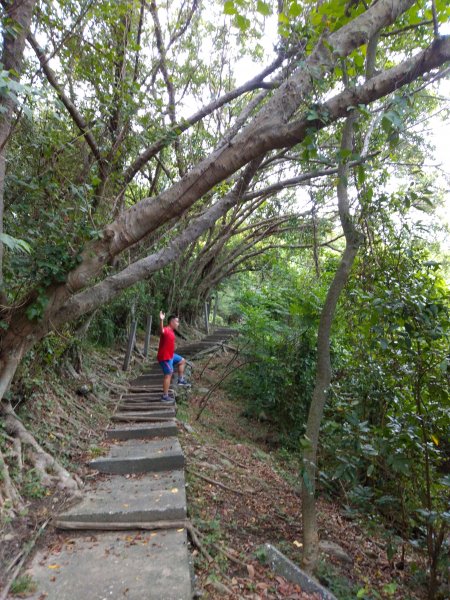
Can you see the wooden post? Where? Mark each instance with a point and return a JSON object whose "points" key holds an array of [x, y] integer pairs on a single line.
{"points": [[206, 318], [131, 340], [216, 303], [148, 331]]}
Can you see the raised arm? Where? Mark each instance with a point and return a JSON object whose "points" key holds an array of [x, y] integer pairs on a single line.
{"points": [[162, 316]]}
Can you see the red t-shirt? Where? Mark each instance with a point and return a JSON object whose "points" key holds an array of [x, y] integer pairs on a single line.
{"points": [[166, 348]]}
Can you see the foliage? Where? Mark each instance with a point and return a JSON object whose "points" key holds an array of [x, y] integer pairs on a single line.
{"points": [[387, 423], [32, 487], [110, 324], [279, 317], [339, 585]]}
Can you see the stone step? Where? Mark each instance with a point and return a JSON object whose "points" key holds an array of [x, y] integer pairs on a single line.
{"points": [[150, 430], [152, 389], [148, 417], [136, 456], [149, 498], [130, 564], [135, 415], [147, 401], [158, 376], [145, 380], [150, 395], [145, 406]]}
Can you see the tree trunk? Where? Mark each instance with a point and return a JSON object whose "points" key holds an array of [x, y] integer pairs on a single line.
{"points": [[323, 374], [19, 13], [323, 378]]}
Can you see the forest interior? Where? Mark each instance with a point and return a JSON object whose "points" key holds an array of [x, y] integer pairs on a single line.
{"points": [[271, 164]]}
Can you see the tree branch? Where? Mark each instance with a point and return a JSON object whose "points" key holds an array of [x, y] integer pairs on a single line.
{"points": [[185, 124], [71, 108]]}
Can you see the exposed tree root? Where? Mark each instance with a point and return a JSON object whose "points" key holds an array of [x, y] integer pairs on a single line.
{"points": [[24, 555], [47, 468], [10, 498]]}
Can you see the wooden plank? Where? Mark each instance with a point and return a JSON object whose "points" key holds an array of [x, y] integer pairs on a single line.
{"points": [[60, 524], [206, 318], [148, 331]]}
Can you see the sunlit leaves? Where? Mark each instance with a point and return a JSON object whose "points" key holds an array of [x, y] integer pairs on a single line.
{"points": [[264, 8]]}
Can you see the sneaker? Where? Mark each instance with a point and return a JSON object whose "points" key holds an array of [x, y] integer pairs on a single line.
{"points": [[166, 398], [183, 381]]}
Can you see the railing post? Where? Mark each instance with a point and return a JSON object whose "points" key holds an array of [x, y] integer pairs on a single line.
{"points": [[216, 303], [206, 318], [131, 340], [148, 331]]}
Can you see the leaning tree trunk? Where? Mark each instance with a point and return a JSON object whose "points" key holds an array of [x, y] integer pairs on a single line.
{"points": [[67, 301], [323, 374], [18, 13]]}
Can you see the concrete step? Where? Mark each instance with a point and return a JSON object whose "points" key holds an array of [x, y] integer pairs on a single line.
{"points": [[145, 406], [151, 388], [150, 430], [132, 565], [137, 456], [145, 401], [145, 380], [119, 499], [150, 395], [154, 415]]}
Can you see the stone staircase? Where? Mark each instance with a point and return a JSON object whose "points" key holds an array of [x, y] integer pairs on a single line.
{"points": [[128, 537]]}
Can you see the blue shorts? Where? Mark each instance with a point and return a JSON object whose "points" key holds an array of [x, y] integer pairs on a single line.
{"points": [[168, 365]]}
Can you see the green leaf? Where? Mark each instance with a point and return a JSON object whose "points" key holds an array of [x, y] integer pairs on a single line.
{"points": [[242, 22], [361, 173], [390, 588], [263, 8], [294, 10], [229, 8], [14, 243], [305, 443]]}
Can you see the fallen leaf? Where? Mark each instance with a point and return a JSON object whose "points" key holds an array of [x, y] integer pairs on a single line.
{"points": [[251, 571], [54, 566], [297, 544]]}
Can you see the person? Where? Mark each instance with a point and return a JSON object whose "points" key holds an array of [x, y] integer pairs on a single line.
{"points": [[167, 357]]}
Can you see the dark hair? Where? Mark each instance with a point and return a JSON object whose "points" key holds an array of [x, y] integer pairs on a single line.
{"points": [[171, 317]]}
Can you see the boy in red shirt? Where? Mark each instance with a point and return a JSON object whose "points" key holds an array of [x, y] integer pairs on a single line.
{"points": [[166, 354]]}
